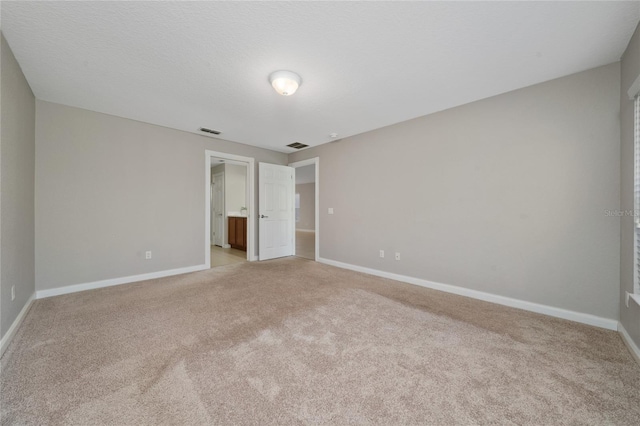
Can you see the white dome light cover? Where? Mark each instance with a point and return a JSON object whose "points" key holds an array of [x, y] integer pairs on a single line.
{"points": [[285, 82]]}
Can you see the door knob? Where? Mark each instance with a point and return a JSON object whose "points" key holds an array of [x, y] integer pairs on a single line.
{"points": [[263, 216]]}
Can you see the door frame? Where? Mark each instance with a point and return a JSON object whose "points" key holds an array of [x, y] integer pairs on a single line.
{"points": [[250, 193], [295, 165]]}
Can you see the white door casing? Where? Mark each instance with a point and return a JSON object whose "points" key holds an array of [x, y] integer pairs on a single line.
{"points": [[276, 210], [218, 209]]}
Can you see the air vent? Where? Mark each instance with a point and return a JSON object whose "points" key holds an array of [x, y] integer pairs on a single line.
{"points": [[213, 132], [297, 145]]}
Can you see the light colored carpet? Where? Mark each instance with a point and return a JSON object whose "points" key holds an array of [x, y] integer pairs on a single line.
{"points": [[296, 342]]}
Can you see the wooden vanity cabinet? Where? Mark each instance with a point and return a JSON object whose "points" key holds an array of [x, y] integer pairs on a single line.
{"points": [[238, 232]]}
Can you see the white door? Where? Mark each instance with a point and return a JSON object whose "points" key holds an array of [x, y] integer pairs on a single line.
{"points": [[218, 209], [276, 211]]}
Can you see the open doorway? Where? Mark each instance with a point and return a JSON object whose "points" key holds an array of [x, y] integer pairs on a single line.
{"points": [[307, 208], [228, 212], [229, 202]]}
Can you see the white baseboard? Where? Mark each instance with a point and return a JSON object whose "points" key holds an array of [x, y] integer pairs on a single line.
{"points": [[633, 348], [116, 281], [580, 317], [305, 230], [8, 336]]}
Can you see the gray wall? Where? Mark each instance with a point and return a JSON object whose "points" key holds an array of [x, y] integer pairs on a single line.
{"points": [[630, 69], [307, 193], [506, 195], [17, 151], [109, 188]]}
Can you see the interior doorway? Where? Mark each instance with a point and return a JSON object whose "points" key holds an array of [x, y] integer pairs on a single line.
{"points": [[230, 236], [217, 207], [307, 209]]}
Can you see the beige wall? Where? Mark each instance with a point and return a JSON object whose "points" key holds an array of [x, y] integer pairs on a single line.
{"points": [[17, 188], [108, 189], [307, 193], [506, 195], [630, 70]]}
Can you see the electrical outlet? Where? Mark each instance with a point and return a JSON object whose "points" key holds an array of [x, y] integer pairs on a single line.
{"points": [[397, 256], [147, 255], [381, 253], [626, 298], [13, 292], [330, 210]]}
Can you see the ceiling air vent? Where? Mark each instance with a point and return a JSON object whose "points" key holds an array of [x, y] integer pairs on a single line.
{"points": [[297, 145], [213, 132]]}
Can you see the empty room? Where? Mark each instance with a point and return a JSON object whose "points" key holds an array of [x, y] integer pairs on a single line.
{"points": [[275, 213]]}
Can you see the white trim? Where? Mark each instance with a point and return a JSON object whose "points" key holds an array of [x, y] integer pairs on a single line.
{"points": [[293, 211], [633, 296], [8, 336], [117, 281], [302, 163], [633, 348], [251, 232], [636, 172], [634, 90], [317, 208], [305, 230], [308, 162], [589, 319]]}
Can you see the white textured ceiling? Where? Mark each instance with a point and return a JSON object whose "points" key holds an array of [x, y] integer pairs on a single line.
{"points": [[187, 65]]}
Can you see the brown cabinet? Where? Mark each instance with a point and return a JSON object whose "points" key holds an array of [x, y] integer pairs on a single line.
{"points": [[238, 233]]}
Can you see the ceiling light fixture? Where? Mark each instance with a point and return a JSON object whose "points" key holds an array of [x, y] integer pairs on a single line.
{"points": [[285, 82]]}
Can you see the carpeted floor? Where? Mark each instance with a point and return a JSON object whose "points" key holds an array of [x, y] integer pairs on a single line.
{"points": [[296, 342]]}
